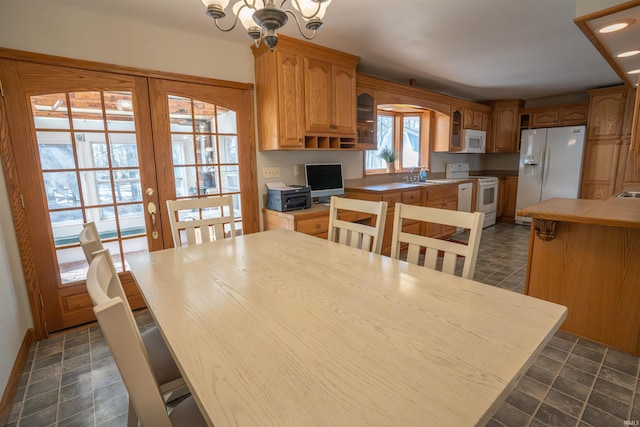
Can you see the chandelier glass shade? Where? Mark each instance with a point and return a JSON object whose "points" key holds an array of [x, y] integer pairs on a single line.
{"points": [[262, 18]]}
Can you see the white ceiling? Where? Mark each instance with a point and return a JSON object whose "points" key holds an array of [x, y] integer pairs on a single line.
{"points": [[474, 49]]}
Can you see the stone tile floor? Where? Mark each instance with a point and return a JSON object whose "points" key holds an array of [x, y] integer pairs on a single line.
{"points": [[71, 379]]}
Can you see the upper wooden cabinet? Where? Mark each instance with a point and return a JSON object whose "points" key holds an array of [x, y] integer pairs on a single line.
{"points": [[330, 97], [504, 126], [609, 162], [367, 115], [554, 116], [606, 112], [474, 119], [306, 97]]}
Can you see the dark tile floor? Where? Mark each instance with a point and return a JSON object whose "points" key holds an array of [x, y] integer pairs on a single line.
{"points": [[71, 379]]}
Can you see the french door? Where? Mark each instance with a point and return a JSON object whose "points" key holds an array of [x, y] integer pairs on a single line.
{"points": [[112, 148]]}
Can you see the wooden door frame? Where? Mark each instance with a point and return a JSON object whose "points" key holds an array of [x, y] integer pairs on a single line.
{"points": [[251, 221]]}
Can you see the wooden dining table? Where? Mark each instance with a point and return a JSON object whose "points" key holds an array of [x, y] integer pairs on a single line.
{"points": [[279, 328]]}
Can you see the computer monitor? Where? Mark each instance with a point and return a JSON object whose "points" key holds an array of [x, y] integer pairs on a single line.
{"points": [[325, 180]]}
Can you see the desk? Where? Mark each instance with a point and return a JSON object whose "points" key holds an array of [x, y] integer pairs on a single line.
{"points": [[282, 328]]}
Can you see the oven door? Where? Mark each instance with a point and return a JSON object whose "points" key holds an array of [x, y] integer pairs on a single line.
{"points": [[487, 197]]}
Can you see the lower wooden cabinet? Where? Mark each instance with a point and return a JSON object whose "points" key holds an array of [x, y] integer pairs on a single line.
{"points": [[315, 221], [507, 191], [441, 197]]}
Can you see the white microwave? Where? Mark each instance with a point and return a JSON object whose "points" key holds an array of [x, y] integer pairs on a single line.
{"points": [[473, 141]]}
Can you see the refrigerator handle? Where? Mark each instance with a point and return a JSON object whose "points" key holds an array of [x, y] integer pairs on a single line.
{"points": [[547, 165], [542, 166]]}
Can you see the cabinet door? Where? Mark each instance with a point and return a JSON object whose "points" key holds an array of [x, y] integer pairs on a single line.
{"points": [[452, 205], [486, 122], [606, 115], [573, 116], [367, 119], [544, 119], [472, 119], [632, 170], [506, 129], [600, 168], [290, 99], [344, 100], [318, 95], [455, 142], [510, 192], [501, 198], [431, 229]]}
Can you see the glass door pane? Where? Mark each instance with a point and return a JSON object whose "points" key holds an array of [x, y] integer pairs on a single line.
{"points": [[88, 154], [204, 148]]}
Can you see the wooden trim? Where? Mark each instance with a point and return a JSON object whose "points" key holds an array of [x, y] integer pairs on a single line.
{"points": [[40, 58], [14, 379], [435, 101], [583, 24], [305, 47], [20, 221]]}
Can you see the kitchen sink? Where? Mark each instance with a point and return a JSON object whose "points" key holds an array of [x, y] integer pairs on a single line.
{"points": [[629, 194], [435, 181]]}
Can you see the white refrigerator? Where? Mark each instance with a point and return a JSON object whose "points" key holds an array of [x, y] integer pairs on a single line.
{"points": [[550, 165]]}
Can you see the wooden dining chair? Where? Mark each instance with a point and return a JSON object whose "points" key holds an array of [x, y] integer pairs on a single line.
{"points": [[195, 221], [433, 247], [356, 234], [129, 351], [172, 385]]}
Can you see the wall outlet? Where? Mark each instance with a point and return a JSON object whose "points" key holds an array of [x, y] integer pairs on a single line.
{"points": [[296, 170], [273, 172]]}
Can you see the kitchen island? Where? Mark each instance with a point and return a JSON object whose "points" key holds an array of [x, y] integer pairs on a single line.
{"points": [[585, 255]]}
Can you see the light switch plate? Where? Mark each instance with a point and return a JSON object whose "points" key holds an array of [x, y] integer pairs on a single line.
{"points": [[272, 172]]}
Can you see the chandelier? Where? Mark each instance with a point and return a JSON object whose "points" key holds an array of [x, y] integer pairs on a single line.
{"points": [[262, 18]]}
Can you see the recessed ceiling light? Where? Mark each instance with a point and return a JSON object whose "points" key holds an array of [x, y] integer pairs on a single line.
{"points": [[636, 71], [616, 26], [627, 53]]}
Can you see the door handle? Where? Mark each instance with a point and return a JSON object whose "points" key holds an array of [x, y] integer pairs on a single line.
{"points": [[151, 208]]}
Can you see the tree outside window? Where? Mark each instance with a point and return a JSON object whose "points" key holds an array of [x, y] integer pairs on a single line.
{"points": [[398, 131]]}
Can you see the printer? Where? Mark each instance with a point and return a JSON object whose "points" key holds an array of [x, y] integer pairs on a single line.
{"points": [[289, 198]]}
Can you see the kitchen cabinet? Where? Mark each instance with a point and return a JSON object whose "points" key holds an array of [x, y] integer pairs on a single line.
{"points": [[505, 122], [413, 196], [455, 141], [507, 192], [607, 146], [510, 193], [329, 93], [441, 197], [306, 97], [553, 116], [474, 119], [367, 118], [313, 221]]}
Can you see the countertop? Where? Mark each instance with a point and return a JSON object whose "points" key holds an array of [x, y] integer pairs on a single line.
{"points": [[613, 212], [396, 186]]}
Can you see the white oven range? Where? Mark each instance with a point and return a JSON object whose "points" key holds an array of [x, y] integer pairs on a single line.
{"points": [[487, 200]]}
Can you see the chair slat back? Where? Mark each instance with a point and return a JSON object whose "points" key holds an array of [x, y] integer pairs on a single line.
{"points": [[361, 236], [433, 247], [90, 240], [123, 337], [199, 229]]}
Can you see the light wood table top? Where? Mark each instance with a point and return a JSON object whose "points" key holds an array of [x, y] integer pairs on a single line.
{"points": [[282, 328]]}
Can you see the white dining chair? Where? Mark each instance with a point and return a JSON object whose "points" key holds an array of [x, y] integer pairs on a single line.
{"points": [[195, 221], [355, 234], [129, 351], [172, 385], [433, 247]]}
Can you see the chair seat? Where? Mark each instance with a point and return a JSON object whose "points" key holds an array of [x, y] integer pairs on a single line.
{"points": [[187, 414], [160, 359]]}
